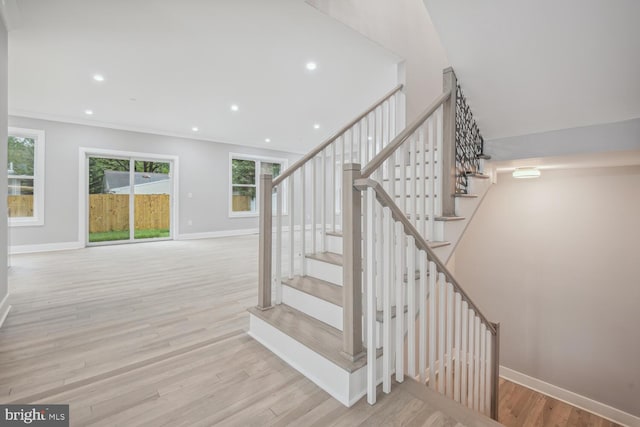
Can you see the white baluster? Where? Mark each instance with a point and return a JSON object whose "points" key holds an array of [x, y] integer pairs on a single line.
{"points": [[413, 179], [400, 248], [422, 181], [476, 364], [449, 348], [431, 182], [303, 222], [488, 374], [278, 248], [442, 293], [470, 359], [411, 306], [464, 392], [379, 241], [456, 343], [323, 201], [291, 233], [438, 163], [433, 277], [333, 188], [314, 224], [422, 330], [387, 358], [483, 366]]}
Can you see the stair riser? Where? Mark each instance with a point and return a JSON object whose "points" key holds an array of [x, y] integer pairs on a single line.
{"points": [[323, 270], [317, 308], [334, 244], [345, 387]]}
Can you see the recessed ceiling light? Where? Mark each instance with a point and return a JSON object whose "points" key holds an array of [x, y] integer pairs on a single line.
{"points": [[234, 107], [195, 129], [316, 126], [311, 66], [267, 140], [522, 173], [98, 77], [88, 112]]}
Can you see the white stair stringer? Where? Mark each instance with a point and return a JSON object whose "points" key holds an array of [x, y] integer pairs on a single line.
{"points": [[466, 207]]}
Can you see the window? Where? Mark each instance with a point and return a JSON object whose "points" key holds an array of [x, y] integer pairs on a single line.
{"points": [[25, 170], [245, 182]]}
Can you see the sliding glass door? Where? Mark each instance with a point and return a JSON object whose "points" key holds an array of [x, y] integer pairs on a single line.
{"points": [[129, 200], [152, 200]]}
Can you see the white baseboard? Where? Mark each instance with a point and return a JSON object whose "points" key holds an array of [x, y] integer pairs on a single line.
{"points": [[214, 234], [574, 399], [44, 247], [4, 309]]}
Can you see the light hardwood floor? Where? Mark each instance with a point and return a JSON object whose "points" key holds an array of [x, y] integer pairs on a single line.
{"points": [[155, 334]]}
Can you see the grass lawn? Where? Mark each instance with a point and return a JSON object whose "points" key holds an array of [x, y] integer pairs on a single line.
{"points": [[108, 236]]}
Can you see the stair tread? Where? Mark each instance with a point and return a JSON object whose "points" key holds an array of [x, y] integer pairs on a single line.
{"points": [[466, 196], [328, 257], [336, 233], [477, 175], [319, 288], [312, 333], [393, 313], [336, 259], [441, 218]]}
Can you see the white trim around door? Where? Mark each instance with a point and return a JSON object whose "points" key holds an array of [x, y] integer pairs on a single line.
{"points": [[84, 153]]}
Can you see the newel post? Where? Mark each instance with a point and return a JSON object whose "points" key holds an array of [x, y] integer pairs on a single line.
{"points": [[495, 383], [352, 263], [450, 82], [264, 250]]}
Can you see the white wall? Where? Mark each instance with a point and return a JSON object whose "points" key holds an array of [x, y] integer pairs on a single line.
{"points": [[203, 172], [404, 27], [556, 261]]}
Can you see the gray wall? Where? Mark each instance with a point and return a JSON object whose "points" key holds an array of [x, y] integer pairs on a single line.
{"points": [[556, 260], [3, 157], [203, 171], [619, 136]]}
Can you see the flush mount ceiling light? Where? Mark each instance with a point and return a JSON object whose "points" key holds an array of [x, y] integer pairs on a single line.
{"points": [[316, 126], [195, 128], [524, 173], [370, 138], [98, 77], [88, 112], [311, 66], [234, 107], [267, 140]]}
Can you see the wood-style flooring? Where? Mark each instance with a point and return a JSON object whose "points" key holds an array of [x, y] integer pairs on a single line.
{"points": [[155, 334]]}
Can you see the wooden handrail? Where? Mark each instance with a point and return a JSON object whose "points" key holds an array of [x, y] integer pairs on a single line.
{"points": [[310, 155], [387, 151], [385, 200]]}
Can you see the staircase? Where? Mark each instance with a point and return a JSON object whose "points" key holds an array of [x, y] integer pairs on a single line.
{"points": [[354, 238]]}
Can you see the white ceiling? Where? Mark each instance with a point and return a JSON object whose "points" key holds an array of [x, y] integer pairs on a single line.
{"points": [[529, 66], [173, 65]]}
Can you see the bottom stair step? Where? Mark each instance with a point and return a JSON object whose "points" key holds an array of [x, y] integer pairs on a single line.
{"points": [[312, 333]]}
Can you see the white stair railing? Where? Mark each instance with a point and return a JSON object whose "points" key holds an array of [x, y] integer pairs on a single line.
{"points": [[312, 187], [457, 346], [450, 345]]}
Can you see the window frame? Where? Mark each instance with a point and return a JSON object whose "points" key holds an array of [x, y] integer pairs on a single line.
{"points": [[38, 177], [258, 162]]}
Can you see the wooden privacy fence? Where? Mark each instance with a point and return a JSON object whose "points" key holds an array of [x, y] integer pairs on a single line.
{"points": [[20, 205], [110, 212]]}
